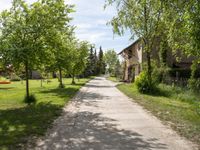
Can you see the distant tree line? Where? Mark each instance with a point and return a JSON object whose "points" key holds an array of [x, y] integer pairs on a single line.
{"points": [[95, 63]]}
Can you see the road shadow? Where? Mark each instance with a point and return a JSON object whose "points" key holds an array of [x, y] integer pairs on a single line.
{"points": [[86, 130], [93, 85]]}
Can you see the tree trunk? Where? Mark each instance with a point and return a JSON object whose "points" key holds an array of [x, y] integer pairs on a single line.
{"points": [[73, 79], [60, 72], [149, 71], [27, 79], [41, 82]]}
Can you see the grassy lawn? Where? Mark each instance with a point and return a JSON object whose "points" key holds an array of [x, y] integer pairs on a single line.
{"points": [[175, 106], [114, 79], [18, 122]]}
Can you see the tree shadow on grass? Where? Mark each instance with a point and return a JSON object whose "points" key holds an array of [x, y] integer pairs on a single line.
{"points": [[62, 92], [160, 92], [6, 88], [17, 125]]}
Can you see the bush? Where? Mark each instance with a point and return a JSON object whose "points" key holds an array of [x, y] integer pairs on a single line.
{"points": [[30, 100], [2, 78], [144, 85], [182, 72], [14, 77], [159, 74], [194, 84]]}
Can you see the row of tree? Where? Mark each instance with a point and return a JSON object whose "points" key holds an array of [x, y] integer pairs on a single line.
{"points": [[104, 63], [96, 63], [176, 23], [39, 37]]}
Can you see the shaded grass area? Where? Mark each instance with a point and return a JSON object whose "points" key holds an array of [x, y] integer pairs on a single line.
{"points": [[19, 122], [114, 79], [175, 106]]}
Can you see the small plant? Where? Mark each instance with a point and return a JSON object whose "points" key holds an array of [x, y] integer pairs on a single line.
{"points": [[30, 100], [144, 85], [194, 84], [194, 81]]}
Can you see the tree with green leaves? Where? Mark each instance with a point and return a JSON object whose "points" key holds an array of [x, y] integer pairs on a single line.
{"points": [[182, 22], [25, 30], [61, 44], [111, 60], [142, 19], [80, 52]]}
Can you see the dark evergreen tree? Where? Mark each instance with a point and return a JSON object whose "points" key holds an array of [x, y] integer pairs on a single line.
{"points": [[95, 62], [101, 64], [91, 69]]}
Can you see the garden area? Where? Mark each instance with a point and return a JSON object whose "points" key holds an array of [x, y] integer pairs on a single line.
{"points": [[20, 122]]}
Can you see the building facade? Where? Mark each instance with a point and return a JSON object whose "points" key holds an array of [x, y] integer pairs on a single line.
{"points": [[134, 57]]}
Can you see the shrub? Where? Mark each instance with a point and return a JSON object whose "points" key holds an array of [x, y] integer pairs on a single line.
{"points": [[14, 77], [194, 81], [194, 84], [159, 74], [182, 72], [30, 100], [144, 85], [2, 78]]}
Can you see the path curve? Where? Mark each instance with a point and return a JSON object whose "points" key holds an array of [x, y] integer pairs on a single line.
{"points": [[100, 117]]}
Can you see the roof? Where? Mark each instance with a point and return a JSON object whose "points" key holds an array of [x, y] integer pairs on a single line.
{"points": [[130, 46]]}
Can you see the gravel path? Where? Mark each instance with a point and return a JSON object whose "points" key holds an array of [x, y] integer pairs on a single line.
{"points": [[102, 118]]}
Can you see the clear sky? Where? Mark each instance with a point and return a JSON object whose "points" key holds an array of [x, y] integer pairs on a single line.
{"points": [[90, 19]]}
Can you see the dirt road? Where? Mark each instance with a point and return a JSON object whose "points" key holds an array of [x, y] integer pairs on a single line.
{"points": [[102, 118]]}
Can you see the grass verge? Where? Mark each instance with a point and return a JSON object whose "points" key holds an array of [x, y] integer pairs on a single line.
{"points": [[114, 79], [174, 106], [18, 121]]}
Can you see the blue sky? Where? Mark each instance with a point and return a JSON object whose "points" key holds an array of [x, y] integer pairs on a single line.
{"points": [[90, 19]]}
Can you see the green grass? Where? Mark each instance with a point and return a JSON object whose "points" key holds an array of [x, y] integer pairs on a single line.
{"points": [[114, 79], [175, 106], [18, 121]]}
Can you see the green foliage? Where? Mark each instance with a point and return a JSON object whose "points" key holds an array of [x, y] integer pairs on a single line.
{"points": [[14, 77], [33, 35], [101, 66], [111, 60], [194, 82], [91, 64], [183, 30], [142, 18], [181, 72], [2, 78], [144, 85], [30, 100], [78, 60], [119, 70]]}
